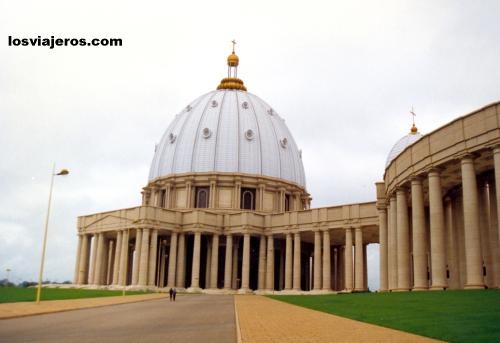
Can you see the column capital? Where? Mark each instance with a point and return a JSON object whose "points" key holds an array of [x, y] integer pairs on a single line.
{"points": [[416, 178], [434, 171], [467, 157]]}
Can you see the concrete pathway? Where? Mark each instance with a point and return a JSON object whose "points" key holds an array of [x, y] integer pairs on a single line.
{"points": [[266, 320], [192, 318]]}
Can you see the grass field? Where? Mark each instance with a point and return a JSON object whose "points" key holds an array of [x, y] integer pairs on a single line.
{"points": [[16, 294], [454, 316]]}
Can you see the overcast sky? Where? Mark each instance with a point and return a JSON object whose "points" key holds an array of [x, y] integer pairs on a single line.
{"points": [[343, 74]]}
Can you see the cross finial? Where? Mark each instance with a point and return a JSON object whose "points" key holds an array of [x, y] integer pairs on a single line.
{"points": [[234, 43], [413, 114]]}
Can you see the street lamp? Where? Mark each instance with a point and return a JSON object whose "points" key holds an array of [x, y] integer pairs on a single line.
{"points": [[8, 270], [62, 173]]}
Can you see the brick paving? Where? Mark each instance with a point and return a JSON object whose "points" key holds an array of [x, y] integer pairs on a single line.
{"points": [[265, 320], [21, 309]]}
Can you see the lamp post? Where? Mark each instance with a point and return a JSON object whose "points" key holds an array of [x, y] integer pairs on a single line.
{"points": [[8, 270], [44, 244]]}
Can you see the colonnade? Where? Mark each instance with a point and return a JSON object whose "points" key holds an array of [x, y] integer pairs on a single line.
{"points": [[113, 258], [442, 241]]}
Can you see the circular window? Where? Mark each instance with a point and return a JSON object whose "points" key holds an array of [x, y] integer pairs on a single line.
{"points": [[206, 133], [171, 137], [214, 103], [270, 112], [188, 108], [249, 134], [284, 142], [244, 105]]}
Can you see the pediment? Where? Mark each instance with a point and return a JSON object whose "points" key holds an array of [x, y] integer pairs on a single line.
{"points": [[109, 221]]}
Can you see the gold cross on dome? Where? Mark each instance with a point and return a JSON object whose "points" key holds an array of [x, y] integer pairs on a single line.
{"points": [[413, 114], [234, 43]]}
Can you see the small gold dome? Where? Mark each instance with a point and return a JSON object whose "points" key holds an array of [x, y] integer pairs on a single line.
{"points": [[233, 60], [414, 129]]}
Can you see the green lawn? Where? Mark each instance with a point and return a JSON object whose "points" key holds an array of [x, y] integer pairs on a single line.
{"points": [[15, 294], [455, 316]]}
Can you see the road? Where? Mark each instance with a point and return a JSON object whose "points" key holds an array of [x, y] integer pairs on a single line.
{"points": [[192, 318]]}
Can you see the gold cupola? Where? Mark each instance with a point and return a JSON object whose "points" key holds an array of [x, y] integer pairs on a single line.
{"points": [[232, 81], [413, 129]]}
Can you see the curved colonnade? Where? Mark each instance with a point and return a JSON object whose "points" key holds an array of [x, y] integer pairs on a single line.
{"points": [[439, 209]]}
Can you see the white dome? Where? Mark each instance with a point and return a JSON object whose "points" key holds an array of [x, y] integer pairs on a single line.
{"points": [[402, 144], [228, 131]]}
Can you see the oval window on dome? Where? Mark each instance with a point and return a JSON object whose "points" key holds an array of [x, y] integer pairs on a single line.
{"points": [[244, 105], [206, 133], [284, 142], [249, 135], [188, 108], [171, 137], [270, 112], [214, 103]]}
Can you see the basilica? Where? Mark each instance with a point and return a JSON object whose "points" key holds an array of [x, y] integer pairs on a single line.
{"points": [[226, 209]]}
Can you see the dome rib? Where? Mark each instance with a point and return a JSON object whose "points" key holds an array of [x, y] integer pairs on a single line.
{"points": [[198, 129], [258, 133], [214, 165]]}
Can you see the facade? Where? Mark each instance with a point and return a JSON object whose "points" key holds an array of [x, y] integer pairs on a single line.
{"points": [[438, 207], [226, 208]]}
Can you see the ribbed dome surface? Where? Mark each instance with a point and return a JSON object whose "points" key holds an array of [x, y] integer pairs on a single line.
{"points": [[228, 131], [402, 144]]}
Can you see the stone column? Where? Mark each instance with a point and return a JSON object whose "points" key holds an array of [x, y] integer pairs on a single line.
{"points": [[451, 233], [496, 161], [137, 257], [403, 241], [143, 266], [110, 262], [118, 252], [270, 263], [235, 264], [262, 263], [473, 258], [181, 261], [348, 259], [365, 267], [83, 269], [122, 274], [99, 264], [359, 270], [392, 245], [208, 259], [228, 265], [77, 259], [484, 229], [296, 262], [94, 244], [437, 229], [245, 269], [494, 238], [327, 271], [419, 233], [288, 262], [382, 219], [214, 272], [153, 249], [195, 272], [172, 261], [317, 261]]}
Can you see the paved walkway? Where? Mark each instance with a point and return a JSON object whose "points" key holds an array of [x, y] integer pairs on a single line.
{"points": [[192, 318], [20, 309], [266, 320]]}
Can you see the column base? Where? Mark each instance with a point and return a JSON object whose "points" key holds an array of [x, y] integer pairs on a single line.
{"points": [[401, 290], [194, 290], [480, 286], [244, 291], [419, 289], [437, 288]]}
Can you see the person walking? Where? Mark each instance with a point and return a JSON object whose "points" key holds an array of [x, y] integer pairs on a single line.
{"points": [[174, 293], [171, 292]]}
